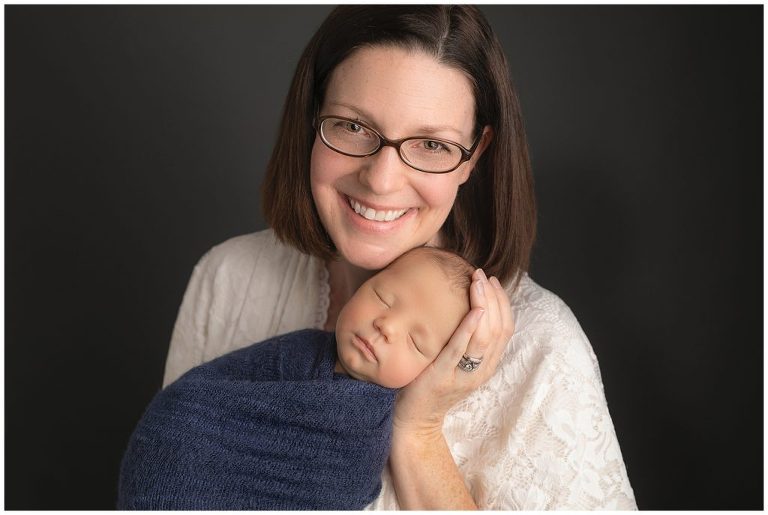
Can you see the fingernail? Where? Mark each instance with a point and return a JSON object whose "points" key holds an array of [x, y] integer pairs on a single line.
{"points": [[496, 284], [482, 274], [480, 288]]}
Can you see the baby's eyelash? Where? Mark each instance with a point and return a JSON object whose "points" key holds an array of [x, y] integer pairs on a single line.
{"points": [[413, 342], [381, 299]]}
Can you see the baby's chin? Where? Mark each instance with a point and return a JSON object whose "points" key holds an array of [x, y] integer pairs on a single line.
{"points": [[339, 368], [394, 383], [349, 371]]}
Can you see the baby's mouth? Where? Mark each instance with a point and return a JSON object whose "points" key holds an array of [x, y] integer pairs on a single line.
{"points": [[377, 215], [368, 348]]}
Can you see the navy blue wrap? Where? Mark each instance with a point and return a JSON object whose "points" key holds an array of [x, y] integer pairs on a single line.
{"points": [[267, 427]]}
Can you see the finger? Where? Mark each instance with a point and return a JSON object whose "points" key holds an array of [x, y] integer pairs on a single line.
{"points": [[506, 319], [485, 338], [505, 309], [456, 346], [480, 293], [494, 310]]}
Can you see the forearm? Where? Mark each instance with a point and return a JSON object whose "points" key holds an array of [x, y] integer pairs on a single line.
{"points": [[425, 476]]}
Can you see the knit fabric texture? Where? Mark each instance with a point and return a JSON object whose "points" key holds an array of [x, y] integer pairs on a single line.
{"points": [[266, 427]]}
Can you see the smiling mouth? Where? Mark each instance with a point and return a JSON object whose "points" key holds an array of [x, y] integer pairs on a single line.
{"points": [[377, 215]]}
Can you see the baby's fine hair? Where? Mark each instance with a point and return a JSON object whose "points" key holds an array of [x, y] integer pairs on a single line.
{"points": [[457, 269]]}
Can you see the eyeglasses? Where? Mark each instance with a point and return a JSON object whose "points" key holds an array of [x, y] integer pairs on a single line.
{"points": [[356, 139]]}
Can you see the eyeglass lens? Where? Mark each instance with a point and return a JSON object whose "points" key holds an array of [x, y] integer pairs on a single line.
{"points": [[358, 140]]}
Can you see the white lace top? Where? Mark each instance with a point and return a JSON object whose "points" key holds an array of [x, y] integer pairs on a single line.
{"points": [[537, 435]]}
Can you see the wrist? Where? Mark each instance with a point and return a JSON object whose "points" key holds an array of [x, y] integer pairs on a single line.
{"points": [[417, 437]]}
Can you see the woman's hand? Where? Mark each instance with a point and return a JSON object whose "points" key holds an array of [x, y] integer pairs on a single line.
{"points": [[421, 406], [424, 474]]}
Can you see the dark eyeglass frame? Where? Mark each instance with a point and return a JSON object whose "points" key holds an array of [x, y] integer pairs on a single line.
{"points": [[466, 153]]}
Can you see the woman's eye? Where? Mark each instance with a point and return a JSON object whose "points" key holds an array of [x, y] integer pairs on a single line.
{"points": [[434, 146], [353, 127]]}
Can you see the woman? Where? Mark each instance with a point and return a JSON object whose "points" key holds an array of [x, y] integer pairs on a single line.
{"points": [[402, 129]]}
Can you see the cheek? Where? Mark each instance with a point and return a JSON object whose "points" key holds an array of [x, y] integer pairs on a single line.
{"points": [[402, 368], [324, 173], [438, 192], [354, 314], [326, 166]]}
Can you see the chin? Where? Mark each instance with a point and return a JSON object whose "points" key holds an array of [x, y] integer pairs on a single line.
{"points": [[372, 263], [369, 259], [395, 383]]}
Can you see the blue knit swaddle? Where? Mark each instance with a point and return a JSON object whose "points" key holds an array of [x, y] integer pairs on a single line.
{"points": [[267, 427]]}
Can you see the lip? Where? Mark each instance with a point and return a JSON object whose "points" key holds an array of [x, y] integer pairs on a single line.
{"points": [[365, 347], [374, 226], [377, 207]]}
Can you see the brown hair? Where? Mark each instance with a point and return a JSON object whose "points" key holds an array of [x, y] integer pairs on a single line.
{"points": [[493, 220], [456, 269]]}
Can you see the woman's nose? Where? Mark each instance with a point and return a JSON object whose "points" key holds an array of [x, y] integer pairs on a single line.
{"points": [[384, 172]]}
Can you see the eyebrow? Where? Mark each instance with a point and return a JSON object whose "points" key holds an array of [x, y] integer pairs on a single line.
{"points": [[422, 129]]}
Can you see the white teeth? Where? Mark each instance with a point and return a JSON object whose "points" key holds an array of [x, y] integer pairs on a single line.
{"points": [[371, 214]]}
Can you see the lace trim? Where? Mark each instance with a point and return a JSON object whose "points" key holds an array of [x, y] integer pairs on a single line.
{"points": [[324, 294]]}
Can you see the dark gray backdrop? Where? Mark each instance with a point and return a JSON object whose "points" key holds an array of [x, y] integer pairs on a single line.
{"points": [[137, 136]]}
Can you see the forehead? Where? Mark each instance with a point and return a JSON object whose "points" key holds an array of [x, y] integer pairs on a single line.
{"points": [[394, 87], [420, 282]]}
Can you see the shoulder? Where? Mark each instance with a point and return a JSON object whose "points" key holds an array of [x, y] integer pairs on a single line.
{"points": [[547, 327], [245, 250], [257, 262], [534, 303]]}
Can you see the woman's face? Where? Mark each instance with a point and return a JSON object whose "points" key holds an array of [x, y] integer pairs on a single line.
{"points": [[400, 94]]}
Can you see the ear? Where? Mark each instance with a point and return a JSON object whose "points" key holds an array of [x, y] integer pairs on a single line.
{"points": [[485, 141]]}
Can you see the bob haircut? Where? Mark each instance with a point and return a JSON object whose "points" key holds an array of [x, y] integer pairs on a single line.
{"points": [[493, 219]]}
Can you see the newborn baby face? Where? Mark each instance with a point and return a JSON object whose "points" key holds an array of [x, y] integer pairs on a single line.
{"points": [[398, 321]]}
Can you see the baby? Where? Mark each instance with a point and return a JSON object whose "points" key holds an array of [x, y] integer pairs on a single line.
{"points": [[303, 420], [398, 321]]}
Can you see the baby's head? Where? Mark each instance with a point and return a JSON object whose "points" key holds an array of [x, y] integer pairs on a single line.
{"points": [[399, 320]]}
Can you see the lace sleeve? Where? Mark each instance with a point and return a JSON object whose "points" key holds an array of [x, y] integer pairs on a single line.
{"points": [[563, 450], [538, 435]]}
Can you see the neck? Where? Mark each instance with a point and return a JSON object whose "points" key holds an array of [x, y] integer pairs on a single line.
{"points": [[346, 278]]}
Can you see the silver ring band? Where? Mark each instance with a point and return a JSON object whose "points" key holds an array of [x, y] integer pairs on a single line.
{"points": [[468, 364]]}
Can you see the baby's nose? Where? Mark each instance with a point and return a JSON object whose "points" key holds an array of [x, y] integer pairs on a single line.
{"points": [[384, 327]]}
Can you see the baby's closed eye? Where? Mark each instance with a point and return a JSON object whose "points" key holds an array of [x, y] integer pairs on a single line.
{"points": [[413, 342], [380, 298]]}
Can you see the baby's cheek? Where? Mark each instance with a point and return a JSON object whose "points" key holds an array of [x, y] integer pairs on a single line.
{"points": [[399, 374]]}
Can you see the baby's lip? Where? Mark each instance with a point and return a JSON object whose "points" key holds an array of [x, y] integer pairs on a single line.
{"points": [[365, 344]]}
